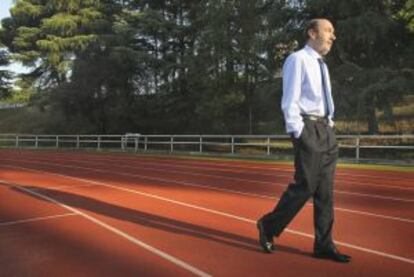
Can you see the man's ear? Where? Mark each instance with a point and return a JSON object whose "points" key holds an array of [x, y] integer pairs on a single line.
{"points": [[312, 33]]}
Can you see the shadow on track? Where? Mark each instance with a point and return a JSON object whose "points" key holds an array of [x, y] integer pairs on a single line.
{"points": [[85, 203]]}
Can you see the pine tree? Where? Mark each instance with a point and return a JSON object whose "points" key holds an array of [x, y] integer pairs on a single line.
{"points": [[48, 35], [5, 75]]}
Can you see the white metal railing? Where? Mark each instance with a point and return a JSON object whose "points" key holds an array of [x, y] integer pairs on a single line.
{"points": [[350, 145]]}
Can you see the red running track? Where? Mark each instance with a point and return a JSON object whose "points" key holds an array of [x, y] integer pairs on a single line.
{"points": [[86, 214]]}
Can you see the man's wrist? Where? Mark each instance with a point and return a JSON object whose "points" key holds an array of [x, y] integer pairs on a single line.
{"points": [[331, 123], [297, 133]]}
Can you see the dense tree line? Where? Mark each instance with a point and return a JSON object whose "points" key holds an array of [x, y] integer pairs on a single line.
{"points": [[5, 75], [193, 66]]}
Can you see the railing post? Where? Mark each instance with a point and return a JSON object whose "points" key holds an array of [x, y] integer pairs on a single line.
{"points": [[99, 143], [196, 141], [357, 148], [268, 146]]}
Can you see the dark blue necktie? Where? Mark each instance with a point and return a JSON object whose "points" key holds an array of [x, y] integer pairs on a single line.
{"points": [[324, 87]]}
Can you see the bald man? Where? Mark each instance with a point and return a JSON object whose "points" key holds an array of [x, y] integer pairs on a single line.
{"points": [[308, 111]]}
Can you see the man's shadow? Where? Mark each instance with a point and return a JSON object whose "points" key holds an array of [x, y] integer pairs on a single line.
{"points": [[150, 220]]}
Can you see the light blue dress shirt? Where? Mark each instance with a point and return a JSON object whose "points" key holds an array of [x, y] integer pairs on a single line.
{"points": [[303, 91]]}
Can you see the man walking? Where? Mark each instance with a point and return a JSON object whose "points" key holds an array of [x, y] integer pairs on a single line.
{"points": [[308, 110]]}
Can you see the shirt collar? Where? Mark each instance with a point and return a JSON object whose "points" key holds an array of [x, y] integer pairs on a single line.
{"points": [[312, 52]]}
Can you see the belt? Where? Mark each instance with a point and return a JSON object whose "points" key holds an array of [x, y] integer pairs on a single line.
{"points": [[316, 118]]}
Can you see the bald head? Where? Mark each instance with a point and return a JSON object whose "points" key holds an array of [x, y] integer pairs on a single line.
{"points": [[320, 35]]}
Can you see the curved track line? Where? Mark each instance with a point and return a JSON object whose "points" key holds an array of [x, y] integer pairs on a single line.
{"points": [[286, 172], [34, 219], [344, 182], [161, 198], [182, 183], [213, 176], [118, 232], [214, 164]]}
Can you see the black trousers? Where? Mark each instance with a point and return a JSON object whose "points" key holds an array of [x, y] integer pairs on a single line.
{"points": [[316, 153]]}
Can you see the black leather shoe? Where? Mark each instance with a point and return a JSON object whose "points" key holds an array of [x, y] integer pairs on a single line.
{"points": [[265, 241], [332, 254]]}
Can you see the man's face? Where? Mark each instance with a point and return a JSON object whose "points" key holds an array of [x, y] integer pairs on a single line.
{"points": [[322, 37]]}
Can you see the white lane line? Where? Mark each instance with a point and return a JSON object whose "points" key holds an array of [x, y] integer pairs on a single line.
{"points": [[228, 215], [402, 219], [265, 183], [273, 175], [251, 195], [375, 196], [156, 167], [261, 196], [62, 187], [118, 232], [182, 183], [213, 165], [34, 219]]}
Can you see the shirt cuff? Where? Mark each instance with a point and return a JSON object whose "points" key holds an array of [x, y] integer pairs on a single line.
{"points": [[297, 133], [331, 123]]}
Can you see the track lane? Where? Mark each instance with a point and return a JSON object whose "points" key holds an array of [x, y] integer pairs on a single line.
{"points": [[279, 178], [305, 218], [224, 247], [270, 169], [296, 250], [77, 247], [383, 206]]}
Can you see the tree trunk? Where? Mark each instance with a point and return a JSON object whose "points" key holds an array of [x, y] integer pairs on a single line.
{"points": [[372, 120]]}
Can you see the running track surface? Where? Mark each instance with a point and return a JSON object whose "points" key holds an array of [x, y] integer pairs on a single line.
{"points": [[87, 214]]}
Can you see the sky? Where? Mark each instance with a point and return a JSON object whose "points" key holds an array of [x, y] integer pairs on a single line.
{"points": [[5, 5]]}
